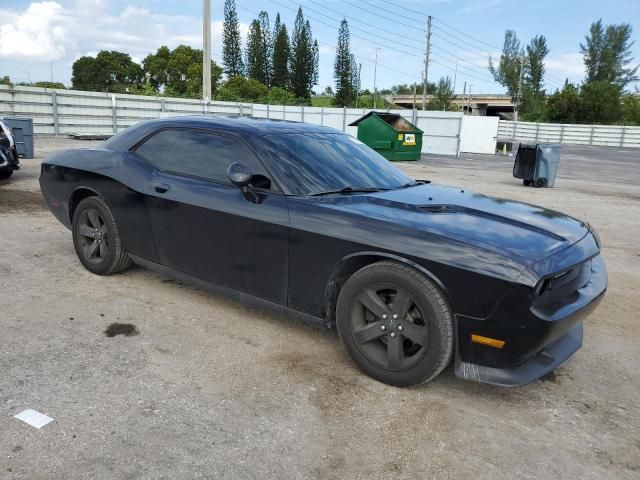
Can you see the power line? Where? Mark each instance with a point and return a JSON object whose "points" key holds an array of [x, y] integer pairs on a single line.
{"points": [[467, 35], [395, 13], [391, 19], [393, 69], [364, 23], [404, 7]]}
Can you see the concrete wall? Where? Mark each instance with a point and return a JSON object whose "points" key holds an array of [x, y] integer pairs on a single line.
{"points": [[60, 112], [602, 135]]}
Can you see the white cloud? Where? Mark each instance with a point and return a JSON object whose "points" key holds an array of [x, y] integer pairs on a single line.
{"points": [[568, 64], [41, 32], [48, 30]]}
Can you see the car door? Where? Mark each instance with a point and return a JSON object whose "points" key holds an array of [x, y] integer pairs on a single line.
{"points": [[204, 226]]}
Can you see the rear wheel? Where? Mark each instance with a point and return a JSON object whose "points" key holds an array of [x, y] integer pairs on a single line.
{"points": [[395, 324], [541, 182], [526, 183], [4, 174], [96, 238]]}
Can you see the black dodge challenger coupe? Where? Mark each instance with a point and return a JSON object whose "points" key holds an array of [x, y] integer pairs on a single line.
{"points": [[308, 220]]}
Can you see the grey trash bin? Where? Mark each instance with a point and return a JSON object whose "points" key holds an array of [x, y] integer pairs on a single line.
{"points": [[22, 129], [537, 164]]}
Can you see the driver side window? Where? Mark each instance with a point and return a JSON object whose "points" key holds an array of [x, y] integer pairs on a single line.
{"points": [[200, 154]]}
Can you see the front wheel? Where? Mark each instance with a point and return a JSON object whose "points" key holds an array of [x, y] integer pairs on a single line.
{"points": [[395, 324], [96, 238], [6, 173]]}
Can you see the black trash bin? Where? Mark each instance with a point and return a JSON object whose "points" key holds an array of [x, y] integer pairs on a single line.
{"points": [[537, 164]]}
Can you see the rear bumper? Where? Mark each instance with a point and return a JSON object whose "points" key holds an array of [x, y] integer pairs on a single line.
{"points": [[543, 363]]}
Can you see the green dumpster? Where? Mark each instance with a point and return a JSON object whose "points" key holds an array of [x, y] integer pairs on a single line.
{"points": [[391, 135]]}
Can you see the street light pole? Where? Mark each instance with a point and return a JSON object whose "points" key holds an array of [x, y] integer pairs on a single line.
{"points": [[206, 51]]}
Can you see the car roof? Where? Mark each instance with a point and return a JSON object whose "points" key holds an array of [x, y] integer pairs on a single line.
{"points": [[243, 126]]}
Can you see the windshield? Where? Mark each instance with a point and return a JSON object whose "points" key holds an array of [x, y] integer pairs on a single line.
{"points": [[312, 163]]}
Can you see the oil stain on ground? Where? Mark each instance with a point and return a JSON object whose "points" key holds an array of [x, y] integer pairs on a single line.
{"points": [[21, 201], [126, 329]]}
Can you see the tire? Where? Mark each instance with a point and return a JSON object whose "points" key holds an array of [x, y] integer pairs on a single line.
{"points": [[411, 349], [96, 238], [526, 183], [541, 182], [4, 174]]}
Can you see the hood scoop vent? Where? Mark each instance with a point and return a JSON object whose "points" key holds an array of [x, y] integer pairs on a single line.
{"points": [[440, 208]]}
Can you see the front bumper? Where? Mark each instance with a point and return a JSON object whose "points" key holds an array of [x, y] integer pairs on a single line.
{"points": [[543, 363], [537, 339]]}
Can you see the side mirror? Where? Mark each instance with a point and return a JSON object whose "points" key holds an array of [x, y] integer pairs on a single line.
{"points": [[239, 174]]}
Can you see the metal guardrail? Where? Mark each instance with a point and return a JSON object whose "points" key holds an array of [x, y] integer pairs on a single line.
{"points": [[570, 134]]}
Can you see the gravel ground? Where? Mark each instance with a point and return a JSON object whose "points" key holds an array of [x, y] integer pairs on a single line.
{"points": [[211, 389]]}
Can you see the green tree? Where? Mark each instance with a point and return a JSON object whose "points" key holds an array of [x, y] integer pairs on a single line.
{"points": [[564, 105], [607, 54], [537, 50], [507, 73], [600, 103], [303, 59], [280, 96], [267, 46], [240, 89], [109, 71], [631, 109], [231, 42], [6, 80], [443, 95], [49, 85], [355, 75], [342, 68], [280, 55], [256, 61], [178, 72]]}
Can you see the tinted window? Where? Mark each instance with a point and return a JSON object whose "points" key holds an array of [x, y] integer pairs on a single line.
{"points": [[198, 154], [317, 162], [157, 149]]}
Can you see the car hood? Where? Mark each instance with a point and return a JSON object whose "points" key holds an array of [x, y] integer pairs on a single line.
{"points": [[527, 231]]}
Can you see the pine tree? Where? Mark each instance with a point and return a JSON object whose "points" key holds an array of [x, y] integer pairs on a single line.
{"points": [[254, 55], [267, 46], [607, 54], [280, 55], [537, 50], [231, 43], [303, 58], [355, 76], [342, 72]]}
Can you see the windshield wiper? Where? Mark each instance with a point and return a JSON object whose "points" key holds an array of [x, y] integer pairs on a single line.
{"points": [[349, 190]]}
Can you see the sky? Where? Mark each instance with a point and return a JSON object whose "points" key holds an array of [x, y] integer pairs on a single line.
{"points": [[41, 40]]}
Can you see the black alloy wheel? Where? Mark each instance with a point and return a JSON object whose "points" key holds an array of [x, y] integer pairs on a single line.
{"points": [[395, 324], [96, 238]]}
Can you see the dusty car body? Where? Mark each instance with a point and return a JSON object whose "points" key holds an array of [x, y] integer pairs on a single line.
{"points": [[9, 160], [516, 279]]}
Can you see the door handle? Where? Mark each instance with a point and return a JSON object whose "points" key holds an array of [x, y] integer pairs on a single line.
{"points": [[162, 188]]}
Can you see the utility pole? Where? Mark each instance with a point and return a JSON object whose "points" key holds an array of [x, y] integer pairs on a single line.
{"points": [[375, 71], [464, 97], [519, 94], [426, 64], [455, 78], [414, 96], [358, 83], [469, 104], [206, 51], [51, 68]]}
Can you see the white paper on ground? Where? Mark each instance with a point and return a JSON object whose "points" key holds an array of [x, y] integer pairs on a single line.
{"points": [[33, 418]]}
